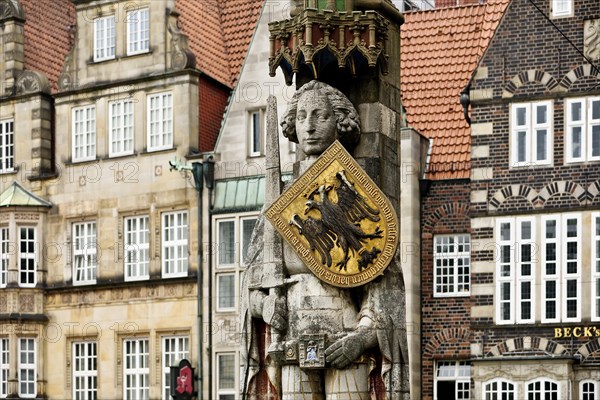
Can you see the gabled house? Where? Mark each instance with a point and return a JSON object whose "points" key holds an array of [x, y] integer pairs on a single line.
{"points": [[440, 49], [98, 282], [535, 140]]}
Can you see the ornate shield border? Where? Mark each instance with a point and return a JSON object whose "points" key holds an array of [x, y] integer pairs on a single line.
{"points": [[335, 159]]}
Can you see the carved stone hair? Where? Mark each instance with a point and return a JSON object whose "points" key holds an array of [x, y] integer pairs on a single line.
{"points": [[348, 123]]}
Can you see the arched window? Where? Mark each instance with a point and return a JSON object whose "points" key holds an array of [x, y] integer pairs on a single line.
{"points": [[499, 389], [542, 389], [588, 390]]}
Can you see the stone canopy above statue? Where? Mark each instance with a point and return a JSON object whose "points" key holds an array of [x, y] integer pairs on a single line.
{"points": [[326, 36]]}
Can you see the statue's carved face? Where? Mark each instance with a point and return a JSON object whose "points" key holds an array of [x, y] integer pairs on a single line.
{"points": [[316, 123]]}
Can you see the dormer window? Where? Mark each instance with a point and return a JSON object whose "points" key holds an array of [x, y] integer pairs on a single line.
{"points": [[104, 38], [138, 31]]}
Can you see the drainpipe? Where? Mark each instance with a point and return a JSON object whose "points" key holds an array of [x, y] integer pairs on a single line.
{"points": [[197, 172]]}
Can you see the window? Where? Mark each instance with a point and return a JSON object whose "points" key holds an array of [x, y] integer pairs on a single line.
{"points": [[588, 390], [4, 256], [531, 134], [84, 133], [120, 127], [138, 31], [137, 248], [542, 389], [225, 292], [160, 121], [226, 376], [85, 370], [452, 261], [26, 256], [27, 386], [561, 269], [256, 135], [452, 378], [226, 242], [499, 389], [84, 253], [175, 244], [595, 267], [4, 367], [515, 270], [7, 146], [104, 38], [562, 8], [174, 349], [582, 142], [136, 379], [233, 239]]}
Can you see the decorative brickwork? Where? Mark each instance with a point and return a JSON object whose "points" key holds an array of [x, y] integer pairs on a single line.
{"points": [[445, 320]]}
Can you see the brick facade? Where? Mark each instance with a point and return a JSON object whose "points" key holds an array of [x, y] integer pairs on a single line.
{"points": [[212, 102], [445, 320], [529, 60]]}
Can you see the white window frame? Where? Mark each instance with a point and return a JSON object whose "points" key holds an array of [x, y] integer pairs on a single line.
{"points": [[593, 391], [136, 248], [180, 349], [136, 365], [586, 125], [5, 246], [85, 252], [561, 276], [512, 283], [138, 31], [505, 281], [83, 136], [454, 256], [521, 278], [256, 140], [530, 129], [567, 276], [567, 11], [488, 391], [7, 146], [225, 391], [234, 251], [27, 367], [175, 257], [4, 366], [84, 357], [104, 38], [542, 382], [27, 258], [595, 266], [121, 128], [219, 280], [460, 380], [160, 123], [227, 248]]}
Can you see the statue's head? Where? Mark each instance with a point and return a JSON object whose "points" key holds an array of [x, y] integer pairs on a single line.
{"points": [[317, 115]]}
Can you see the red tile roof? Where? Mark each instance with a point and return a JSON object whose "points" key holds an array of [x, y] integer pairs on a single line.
{"points": [[47, 37], [219, 33], [440, 50]]}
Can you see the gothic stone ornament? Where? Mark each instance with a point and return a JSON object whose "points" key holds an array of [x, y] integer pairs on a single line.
{"points": [[311, 350], [338, 221], [591, 39]]}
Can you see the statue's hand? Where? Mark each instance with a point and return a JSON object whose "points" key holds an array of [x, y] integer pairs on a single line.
{"points": [[349, 348], [275, 312]]}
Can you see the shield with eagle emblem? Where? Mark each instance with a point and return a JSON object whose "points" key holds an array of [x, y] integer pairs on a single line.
{"points": [[337, 220]]}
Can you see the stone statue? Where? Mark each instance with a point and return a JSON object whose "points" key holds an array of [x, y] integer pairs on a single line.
{"points": [[357, 335]]}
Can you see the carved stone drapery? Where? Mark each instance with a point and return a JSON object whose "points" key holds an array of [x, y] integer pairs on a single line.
{"points": [[591, 39], [316, 37], [11, 9], [181, 55], [32, 82]]}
